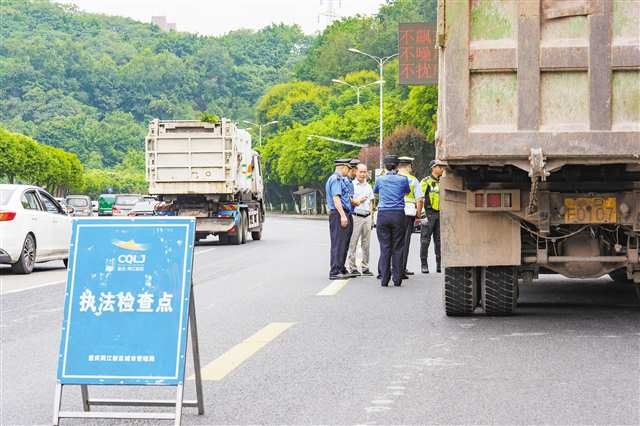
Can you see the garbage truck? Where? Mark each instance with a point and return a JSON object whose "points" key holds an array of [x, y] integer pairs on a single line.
{"points": [[539, 126], [208, 171]]}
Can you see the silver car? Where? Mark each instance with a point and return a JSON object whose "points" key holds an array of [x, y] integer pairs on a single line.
{"points": [[78, 205], [124, 203]]}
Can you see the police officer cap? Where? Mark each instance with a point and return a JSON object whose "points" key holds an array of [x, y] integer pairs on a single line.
{"points": [[391, 159], [405, 160], [342, 161], [434, 163], [354, 162]]}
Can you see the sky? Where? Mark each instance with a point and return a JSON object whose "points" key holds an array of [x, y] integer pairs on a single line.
{"points": [[217, 17]]}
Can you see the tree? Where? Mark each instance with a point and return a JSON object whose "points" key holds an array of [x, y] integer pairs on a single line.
{"points": [[409, 141]]}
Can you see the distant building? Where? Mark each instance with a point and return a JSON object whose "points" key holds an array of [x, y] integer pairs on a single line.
{"points": [[161, 21]]}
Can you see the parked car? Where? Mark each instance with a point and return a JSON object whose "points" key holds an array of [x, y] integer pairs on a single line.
{"points": [[33, 228], [105, 204], [80, 204], [94, 206], [144, 207], [124, 203]]}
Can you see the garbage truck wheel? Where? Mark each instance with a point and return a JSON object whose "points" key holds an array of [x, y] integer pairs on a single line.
{"points": [[499, 290], [460, 291]]}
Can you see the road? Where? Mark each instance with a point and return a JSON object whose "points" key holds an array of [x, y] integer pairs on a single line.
{"points": [[358, 353]]}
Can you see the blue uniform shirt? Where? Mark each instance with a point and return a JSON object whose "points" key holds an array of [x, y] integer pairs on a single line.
{"points": [[335, 186], [392, 188], [350, 190]]}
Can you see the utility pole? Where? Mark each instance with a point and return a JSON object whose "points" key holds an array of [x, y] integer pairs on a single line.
{"points": [[381, 61], [260, 126]]}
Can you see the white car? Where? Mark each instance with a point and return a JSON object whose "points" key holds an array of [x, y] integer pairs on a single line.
{"points": [[33, 228]]}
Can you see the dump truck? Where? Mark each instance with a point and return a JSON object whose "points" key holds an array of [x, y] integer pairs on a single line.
{"points": [[208, 171], [539, 125]]}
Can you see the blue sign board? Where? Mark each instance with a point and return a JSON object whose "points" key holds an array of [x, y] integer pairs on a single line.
{"points": [[127, 301]]}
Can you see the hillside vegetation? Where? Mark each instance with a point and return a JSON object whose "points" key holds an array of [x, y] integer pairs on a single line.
{"points": [[88, 84]]}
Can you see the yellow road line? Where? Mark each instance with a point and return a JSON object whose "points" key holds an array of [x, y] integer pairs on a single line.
{"points": [[234, 357], [333, 288]]}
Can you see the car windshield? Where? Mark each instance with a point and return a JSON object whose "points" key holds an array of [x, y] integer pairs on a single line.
{"points": [[127, 200], [5, 195], [77, 202]]}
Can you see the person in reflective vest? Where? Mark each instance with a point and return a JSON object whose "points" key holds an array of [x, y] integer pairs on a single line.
{"points": [[412, 208], [430, 225]]}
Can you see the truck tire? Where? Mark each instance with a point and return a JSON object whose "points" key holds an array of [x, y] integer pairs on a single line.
{"points": [[27, 259], [223, 238], [460, 291], [256, 235], [244, 226], [619, 276], [499, 290]]}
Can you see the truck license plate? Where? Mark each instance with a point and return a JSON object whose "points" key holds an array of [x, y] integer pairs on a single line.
{"points": [[590, 210]]}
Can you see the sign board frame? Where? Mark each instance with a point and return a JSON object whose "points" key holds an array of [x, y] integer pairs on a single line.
{"points": [[91, 246]]}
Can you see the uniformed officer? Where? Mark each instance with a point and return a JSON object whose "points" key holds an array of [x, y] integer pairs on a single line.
{"points": [[348, 187], [392, 188], [412, 208], [339, 204], [430, 226]]}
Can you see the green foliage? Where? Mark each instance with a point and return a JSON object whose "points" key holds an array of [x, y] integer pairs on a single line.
{"points": [[207, 117], [25, 160], [98, 181], [409, 141], [89, 83]]}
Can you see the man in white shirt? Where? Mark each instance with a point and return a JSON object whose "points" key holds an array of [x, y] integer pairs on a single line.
{"points": [[362, 217]]}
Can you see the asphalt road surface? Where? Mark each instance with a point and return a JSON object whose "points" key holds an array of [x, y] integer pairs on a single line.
{"points": [[281, 345]]}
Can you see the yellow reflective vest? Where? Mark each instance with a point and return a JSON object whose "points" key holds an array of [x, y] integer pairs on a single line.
{"points": [[431, 188], [411, 196]]}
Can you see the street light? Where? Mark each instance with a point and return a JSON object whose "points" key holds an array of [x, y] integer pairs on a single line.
{"points": [[357, 88], [381, 62], [260, 126], [327, 138]]}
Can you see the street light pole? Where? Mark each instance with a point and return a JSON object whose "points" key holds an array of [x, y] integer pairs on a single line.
{"points": [[381, 62], [260, 126], [357, 88]]}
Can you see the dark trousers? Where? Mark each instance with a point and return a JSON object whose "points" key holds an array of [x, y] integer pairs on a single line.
{"points": [[409, 222], [390, 229], [426, 232], [345, 250], [339, 242]]}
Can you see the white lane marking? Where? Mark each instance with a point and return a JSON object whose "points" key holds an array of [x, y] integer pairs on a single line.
{"points": [[206, 250], [333, 288], [18, 290]]}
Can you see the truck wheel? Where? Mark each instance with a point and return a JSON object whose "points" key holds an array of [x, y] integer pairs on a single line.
{"points": [[460, 291], [256, 235], [27, 259], [620, 276], [223, 238], [245, 227], [499, 290]]}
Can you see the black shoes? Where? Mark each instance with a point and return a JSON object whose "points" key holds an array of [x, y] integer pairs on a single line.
{"points": [[425, 269], [354, 272], [339, 277], [438, 269], [397, 284], [367, 273], [409, 273]]}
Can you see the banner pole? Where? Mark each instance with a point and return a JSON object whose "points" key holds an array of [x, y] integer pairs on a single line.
{"points": [[195, 352], [57, 403], [179, 396], [84, 391]]}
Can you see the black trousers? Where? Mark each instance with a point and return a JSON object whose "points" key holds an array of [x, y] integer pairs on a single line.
{"points": [[426, 233], [390, 229], [408, 231], [339, 242]]}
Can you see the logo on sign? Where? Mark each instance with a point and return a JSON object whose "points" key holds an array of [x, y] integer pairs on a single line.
{"points": [[130, 262], [129, 245]]}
